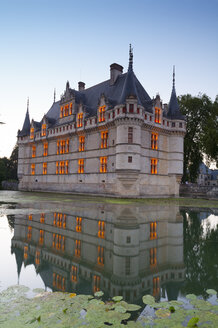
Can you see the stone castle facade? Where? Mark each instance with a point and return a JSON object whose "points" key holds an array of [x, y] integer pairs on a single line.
{"points": [[109, 139]]}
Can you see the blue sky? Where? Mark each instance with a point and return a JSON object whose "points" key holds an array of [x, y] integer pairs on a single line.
{"points": [[44, 43]]}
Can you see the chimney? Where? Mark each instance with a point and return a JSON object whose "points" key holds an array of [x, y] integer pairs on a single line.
{"points": [[81, 86], [116, 70]]}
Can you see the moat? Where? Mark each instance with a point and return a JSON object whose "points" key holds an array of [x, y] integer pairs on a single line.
{"points": [[82, 245]]}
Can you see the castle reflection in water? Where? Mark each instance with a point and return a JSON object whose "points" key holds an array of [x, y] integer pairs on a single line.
{"points": [[119, 249]]}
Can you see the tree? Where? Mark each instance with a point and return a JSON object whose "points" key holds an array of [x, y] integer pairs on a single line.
{"points": [[13, 163], [202, 133]]}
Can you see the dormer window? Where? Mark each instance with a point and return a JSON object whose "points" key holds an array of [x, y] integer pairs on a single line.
{"points": [[61, 112], [157, 115], [80, 120], [71, 108], [131, 108], [32, 133], [102, 113], [43, 130], [66, 110]]}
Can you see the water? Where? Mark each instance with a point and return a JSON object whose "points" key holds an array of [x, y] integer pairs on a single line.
{"points": [[82, 245]]}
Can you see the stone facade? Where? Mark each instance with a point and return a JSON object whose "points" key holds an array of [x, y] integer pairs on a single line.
{"points": [[110, 139]]}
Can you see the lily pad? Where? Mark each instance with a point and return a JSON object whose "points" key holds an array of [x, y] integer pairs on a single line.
{"points": [[99, 294], [148, 299], [191, 297], [211, 292], [117, 298], [120, 308], [162, 313], [192, 322]]}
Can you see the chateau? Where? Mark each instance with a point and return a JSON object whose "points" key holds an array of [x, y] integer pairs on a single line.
{"points": [[109, 139]]}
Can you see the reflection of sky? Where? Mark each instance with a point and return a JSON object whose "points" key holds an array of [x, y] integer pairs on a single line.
{"points": [[8, 271], [209, 223]]}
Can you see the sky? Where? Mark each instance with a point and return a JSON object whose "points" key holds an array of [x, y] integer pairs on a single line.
{"points": [[44, 43]]}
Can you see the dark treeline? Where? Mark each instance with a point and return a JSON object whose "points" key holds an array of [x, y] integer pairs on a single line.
{"points": [[8, 166]]}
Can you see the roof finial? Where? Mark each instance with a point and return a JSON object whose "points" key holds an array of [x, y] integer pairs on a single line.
{"points": [[130, 58], [173, 76], [54, 94], [28, 104]]}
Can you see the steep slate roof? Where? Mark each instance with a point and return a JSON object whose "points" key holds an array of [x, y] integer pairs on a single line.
{"points": [[26, 126], [173, 108]]}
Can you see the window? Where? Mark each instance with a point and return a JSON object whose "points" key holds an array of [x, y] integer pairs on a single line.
{"points": [[102, 113], [58, 242], [29, 233], [41, 237], [128, 239], [43, 133], [37, 258], [71, 108], [79, 120], [66, 167], [104, 138], [61, 167], [81, 143], [67, 146], [130, 135], [156, 286], [62, 146], [45, 153], [61, 111], [101, 229], [154, 139], [33, 169], [180, 125], [44, 169], [74, 273], [30, 217], [124, 110], [42, 218], [157, 115], [129, 159], [153, 166], [153, 256], [131, 108], [33, 151], [58, 147], [100, 259], [66, 110], [97, 280], [153, 230], [78, 248], [25, 253], [59, 282], [103, 164], [78, 224], [81, 166], [32, 133], [173, 125], [57, 167]]}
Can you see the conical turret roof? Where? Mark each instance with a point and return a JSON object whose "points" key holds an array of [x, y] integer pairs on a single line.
{"points": [[173, 108]]}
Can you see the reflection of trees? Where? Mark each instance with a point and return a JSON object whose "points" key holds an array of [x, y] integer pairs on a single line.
{"points": [[200, 255], [11, 219]]}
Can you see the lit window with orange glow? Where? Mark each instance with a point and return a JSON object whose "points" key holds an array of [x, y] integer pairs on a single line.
{"points": [[30, 217], [37, 258], [157, 115], [53, 240], [153, 166], [29, 233], [43, 133], [153, 230], [63, 244], [78, 248], [156, 286], [102, 113], [61, 167], [55, 217], [74, 273], [81, 143], [57, 167], [66, 110], [154, 140], [41, 237], [97, 280], [45, 153], [71, 108], [64, 221], [100, 259], [61, 111], [104, 139], [78, 224], [33, 169], [62, 146], [103, 164], [58, 147], [101, 229], [66, 167], [44, 168], [34, 151], [25, 252], [81, 166], [42, 218], [79, 120], [153, 256], [32, 133], [59, 220], [67, 146]]}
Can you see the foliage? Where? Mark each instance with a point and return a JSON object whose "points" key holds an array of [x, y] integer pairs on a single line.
{"points": [[202, 133], [8, 167], [57, 309]]}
